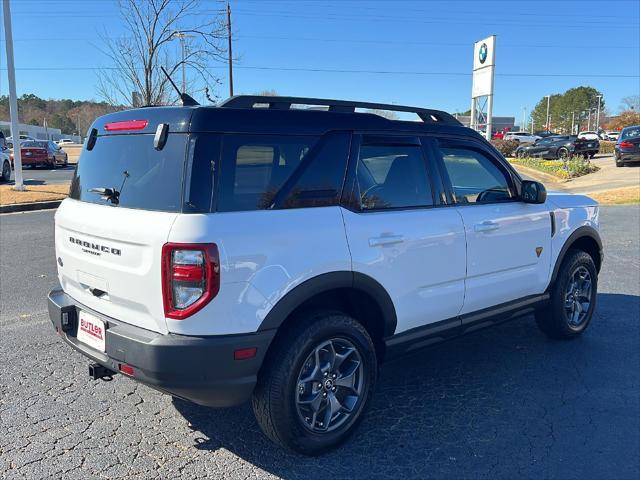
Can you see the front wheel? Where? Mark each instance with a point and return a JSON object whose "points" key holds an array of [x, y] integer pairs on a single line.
{"points": [[520, 153], [316, 383], [573, 298]]}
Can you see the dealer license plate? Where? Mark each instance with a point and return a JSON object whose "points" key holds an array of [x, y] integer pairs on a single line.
{"points": [[91, 331]]}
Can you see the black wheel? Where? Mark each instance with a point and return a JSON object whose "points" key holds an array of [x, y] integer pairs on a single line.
{"points": [[562, 153], [520, 153], [573, 298], [619, 162], [6, 171], [316, 383], [592, 154]]}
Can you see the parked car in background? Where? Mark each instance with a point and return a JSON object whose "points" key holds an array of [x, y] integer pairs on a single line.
{"points": [[5, 161], [588, 135], [23, 138], [627, 148], [559, 147], [522, 137], [64, 141], [57, 155], [613, 135], [34, 154]]}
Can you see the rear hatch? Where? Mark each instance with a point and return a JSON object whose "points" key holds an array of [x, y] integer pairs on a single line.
{"points": [[124, 198], [30, 153]]}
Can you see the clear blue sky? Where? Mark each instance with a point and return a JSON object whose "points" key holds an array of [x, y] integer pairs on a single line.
{"points": [[427, 44]]}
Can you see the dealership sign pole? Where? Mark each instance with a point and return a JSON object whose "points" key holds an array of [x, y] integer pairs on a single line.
{"points": [[484, 58], [13, 102]]}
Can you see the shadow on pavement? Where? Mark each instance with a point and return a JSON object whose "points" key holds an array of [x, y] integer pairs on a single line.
{"points": [[502, 402]]}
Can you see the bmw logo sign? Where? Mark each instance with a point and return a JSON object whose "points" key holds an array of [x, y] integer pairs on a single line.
{"points": [[482, 54]]}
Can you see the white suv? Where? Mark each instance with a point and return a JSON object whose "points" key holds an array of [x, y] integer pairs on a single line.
{"points": [[255, 251]]}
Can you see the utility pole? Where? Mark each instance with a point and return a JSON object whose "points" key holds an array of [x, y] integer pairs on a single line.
{"points": [[573, 119], [524, 119], [230, 52], [598, 114], [548, 105], [182, 36], [13, 99]]}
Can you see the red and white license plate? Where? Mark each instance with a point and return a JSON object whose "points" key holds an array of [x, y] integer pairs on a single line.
{"points": [[91, 331]]}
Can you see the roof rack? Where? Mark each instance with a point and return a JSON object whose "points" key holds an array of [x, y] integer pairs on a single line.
{"points": [[427, 115]]}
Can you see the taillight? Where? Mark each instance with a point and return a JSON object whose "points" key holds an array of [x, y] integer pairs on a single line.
{"points": [[626, 144], [190, 277], [126, 125]]}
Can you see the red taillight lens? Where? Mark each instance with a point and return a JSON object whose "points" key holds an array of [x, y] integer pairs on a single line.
{"points": [[126, 125], [626, 144], [190, 277], [126, 369]]}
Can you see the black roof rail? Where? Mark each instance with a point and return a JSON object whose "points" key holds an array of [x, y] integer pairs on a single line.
{"points": [[427, 115]]}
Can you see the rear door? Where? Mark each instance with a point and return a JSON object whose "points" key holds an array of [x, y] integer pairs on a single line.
{"points": [[399, 236], [108, 250], [508, 241]]}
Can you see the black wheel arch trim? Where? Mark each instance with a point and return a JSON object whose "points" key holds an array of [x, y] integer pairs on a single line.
{"points": [[580, 232], [330, 281]]}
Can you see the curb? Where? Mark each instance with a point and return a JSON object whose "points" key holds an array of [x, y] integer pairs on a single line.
{"points": [[29, 207], [547, 177]]}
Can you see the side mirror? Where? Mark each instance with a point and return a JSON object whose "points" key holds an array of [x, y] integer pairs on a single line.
{"points": [[533, 192]]}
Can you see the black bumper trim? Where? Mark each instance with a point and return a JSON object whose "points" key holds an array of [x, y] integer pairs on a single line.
{"points": [[199, 369]]}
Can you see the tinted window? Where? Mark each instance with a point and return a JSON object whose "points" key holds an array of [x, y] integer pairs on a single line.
{"points": [[474, 177], [255, 167], [322, 175], [204, 152], [630, 132], [146, 178], [392, 176]]}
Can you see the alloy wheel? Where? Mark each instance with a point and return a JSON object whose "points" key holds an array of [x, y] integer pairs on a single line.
{"points": [[578, 297], [330, 385]]}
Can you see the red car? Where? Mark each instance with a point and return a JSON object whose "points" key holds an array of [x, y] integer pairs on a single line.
{"points": [[36, 153]]}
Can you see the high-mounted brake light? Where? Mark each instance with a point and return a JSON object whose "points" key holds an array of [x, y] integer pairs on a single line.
{"points": [[190, 277], [626, 144], [126, 125]]}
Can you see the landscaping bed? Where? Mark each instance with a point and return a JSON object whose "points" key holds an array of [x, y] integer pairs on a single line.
{"points": [[33, 193], [571, 168]]}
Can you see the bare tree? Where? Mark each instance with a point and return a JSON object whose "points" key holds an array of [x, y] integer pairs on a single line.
{"points": [[632, 102], [151, 27]]}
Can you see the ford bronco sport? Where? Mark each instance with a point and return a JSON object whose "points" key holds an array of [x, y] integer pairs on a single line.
{"points": [[261, 250]]}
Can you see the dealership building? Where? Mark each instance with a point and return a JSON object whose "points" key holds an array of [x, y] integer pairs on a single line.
{"points": [[37, 132]]}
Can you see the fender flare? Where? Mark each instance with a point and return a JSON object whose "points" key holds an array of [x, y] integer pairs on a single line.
{"points": [[331, 281], [581, 232]]}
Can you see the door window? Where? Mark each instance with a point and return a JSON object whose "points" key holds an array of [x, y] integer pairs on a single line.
{"points": [[474, 177], [392, 176]]}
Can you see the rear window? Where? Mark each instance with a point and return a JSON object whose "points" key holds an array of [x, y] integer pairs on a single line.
{"points": [[145, 178], [631, 132], [255, 167]]}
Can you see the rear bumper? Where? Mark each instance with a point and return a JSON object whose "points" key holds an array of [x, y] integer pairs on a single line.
{"points": [[629, 157], [200, 369]]}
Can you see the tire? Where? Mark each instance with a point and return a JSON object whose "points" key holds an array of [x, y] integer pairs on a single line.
{"points": [[559, 320], [6, 171], [562, 153], [520, 153], [592, 154], [281, 416]]}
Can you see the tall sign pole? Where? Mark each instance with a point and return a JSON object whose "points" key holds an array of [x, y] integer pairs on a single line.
{"points": [[13, 99], [484, 63]]}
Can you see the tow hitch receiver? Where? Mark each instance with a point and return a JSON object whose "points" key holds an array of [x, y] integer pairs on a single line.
{"points": [[97, 371]]}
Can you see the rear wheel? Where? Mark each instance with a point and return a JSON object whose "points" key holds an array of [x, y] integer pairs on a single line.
{"points": [[563, 153], [573, 298], [619, 162], [520, 153], [316, 383], [6, 171]]}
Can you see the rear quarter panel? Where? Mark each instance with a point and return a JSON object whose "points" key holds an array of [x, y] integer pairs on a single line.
{"points": [[264, 254]]}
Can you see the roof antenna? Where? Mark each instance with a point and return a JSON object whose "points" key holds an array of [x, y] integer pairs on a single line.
{"points": [[187, 100]]}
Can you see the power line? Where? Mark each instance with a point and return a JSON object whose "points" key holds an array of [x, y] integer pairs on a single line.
{"points": [[339, 70]]}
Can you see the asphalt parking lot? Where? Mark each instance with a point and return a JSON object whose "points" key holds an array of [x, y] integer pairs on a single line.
{"points": [[49, 176], [501, 403]]}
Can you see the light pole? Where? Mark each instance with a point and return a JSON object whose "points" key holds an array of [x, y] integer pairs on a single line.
{"points": [[548, 105], [524, 119], [182, 36], [13, 99], [598, 114]]}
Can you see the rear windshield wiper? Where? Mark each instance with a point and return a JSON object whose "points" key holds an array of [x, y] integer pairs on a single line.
{"points": [[110, 194]]}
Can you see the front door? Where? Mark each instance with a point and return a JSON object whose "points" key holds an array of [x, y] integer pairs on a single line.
{"points": [[399, 237], [508, 241]]}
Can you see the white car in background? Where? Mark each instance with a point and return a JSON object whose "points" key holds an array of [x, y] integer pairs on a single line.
{"points": [[588, 135], [522, 137], [64, 141], [613, 135]]}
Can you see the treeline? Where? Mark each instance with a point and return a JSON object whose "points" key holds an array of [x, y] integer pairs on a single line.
{"points": [[70, 116]]}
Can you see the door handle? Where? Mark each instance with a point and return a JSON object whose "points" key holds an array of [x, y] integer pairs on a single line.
{"points": [[486, 227], [385, 240]]}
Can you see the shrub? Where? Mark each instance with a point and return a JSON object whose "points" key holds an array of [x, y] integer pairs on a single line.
{"points": [[505, 147], [572, 168], [606, 146]]}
